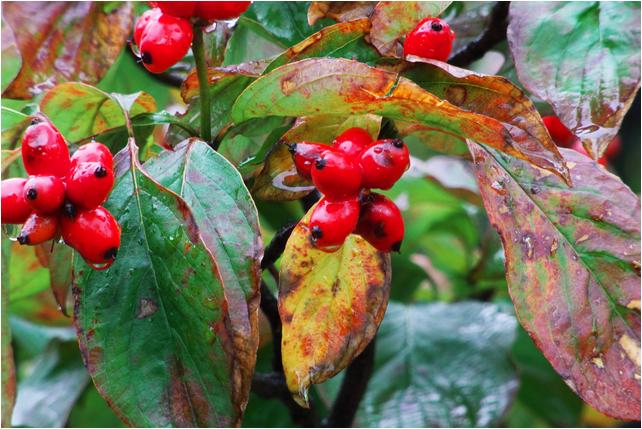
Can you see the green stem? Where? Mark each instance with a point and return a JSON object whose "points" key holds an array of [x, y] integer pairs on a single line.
{"points": [[203, 84]]}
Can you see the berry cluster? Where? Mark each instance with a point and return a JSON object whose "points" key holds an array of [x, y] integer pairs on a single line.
{"points": [[164, 34], [344, 173], [432, 39], [63, 195], [563, 137]]}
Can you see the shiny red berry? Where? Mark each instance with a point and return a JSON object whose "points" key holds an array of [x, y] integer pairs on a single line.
{"points": [[93, 152], [164, 41], [15, 209], [95, 234], [383, 163], [332, 221], [181, 9], [336, 176], [44, 151], [561, 135], [143, 21], [578, 147], [352, 142], [38, 229], [432, 39], [220, 10], [45, 194], [89, 184], [305, 154], [380, 223]]}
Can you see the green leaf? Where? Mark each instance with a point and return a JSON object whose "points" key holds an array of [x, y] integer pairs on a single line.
{"points": [[8, 372], [13, 125], [62, 42], [330, 306], [573, 270], [250, 41], [441, 365], [159, 315], [341, 87], [58, 259], [581, 57], [392, 20], [47, 394], [91, 411], [80, 111]]}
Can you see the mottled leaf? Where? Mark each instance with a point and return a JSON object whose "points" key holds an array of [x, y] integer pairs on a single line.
{"points": [[13, 125], [47, 394], [64, 41], [8, 372], [581, 57], [432, 138], [441, 365], [279, 180], [392, 20], [330, 306], [341, 87], [228, 225], [495, 97], [80, 111], [339, 11], [158, 316], [573, 270]]}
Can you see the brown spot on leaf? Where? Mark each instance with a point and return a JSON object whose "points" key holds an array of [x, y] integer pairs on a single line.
{"points": [[146, 307]]}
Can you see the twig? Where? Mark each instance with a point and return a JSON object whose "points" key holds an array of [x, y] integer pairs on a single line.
{"points": [[309, 200], [270, 307], [198, 49], [352, 390], [275, 249], [273, 385], [494, 33]]}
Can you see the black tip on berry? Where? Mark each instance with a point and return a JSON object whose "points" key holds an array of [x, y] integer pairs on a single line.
{"points": [[436, 26], [100, 172], [316, 232], [398, 143], [291, 147], [32, 194], [110, 254], [23, 239], [396, 247], [69, 210], [35, 121], [320, 163], [146, 57]]}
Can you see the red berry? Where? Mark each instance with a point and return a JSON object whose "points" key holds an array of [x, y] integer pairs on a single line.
{"points": [[561, 135], [352, 141], [15, 209], [380, 223], [89, 184], [44, 151], [95, 234], [181, 9], [45, 194], [304, 155], [220, 10], [383, 163], [332, 221], [613, 149], [432, 39], [578, 147], [93, 152], [336, 176], [143, 21], [38, 229], [164, 41]]}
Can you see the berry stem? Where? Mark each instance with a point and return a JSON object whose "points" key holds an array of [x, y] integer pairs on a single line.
{"points": [[198, 49]]}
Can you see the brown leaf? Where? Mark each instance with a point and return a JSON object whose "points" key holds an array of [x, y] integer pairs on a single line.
{"points": [[63, 41], [339, 11]]}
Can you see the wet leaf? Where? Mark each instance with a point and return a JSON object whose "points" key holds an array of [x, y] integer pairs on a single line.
{"points": [[64, 41], [80, 111], [468, 20], [392, 20], [227, 221], [330, 306], [441, 365], [279, 180], [495, 97], [339, 11], [582, 58], [56, 381], [341, 87], [159, 315], [8, 372], [573, 270]]}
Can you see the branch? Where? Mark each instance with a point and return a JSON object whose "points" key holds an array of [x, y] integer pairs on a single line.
{"points": [[273, 385], [309, 200], [352, 390], [275, 249], [198, 48], [493, 34]]}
